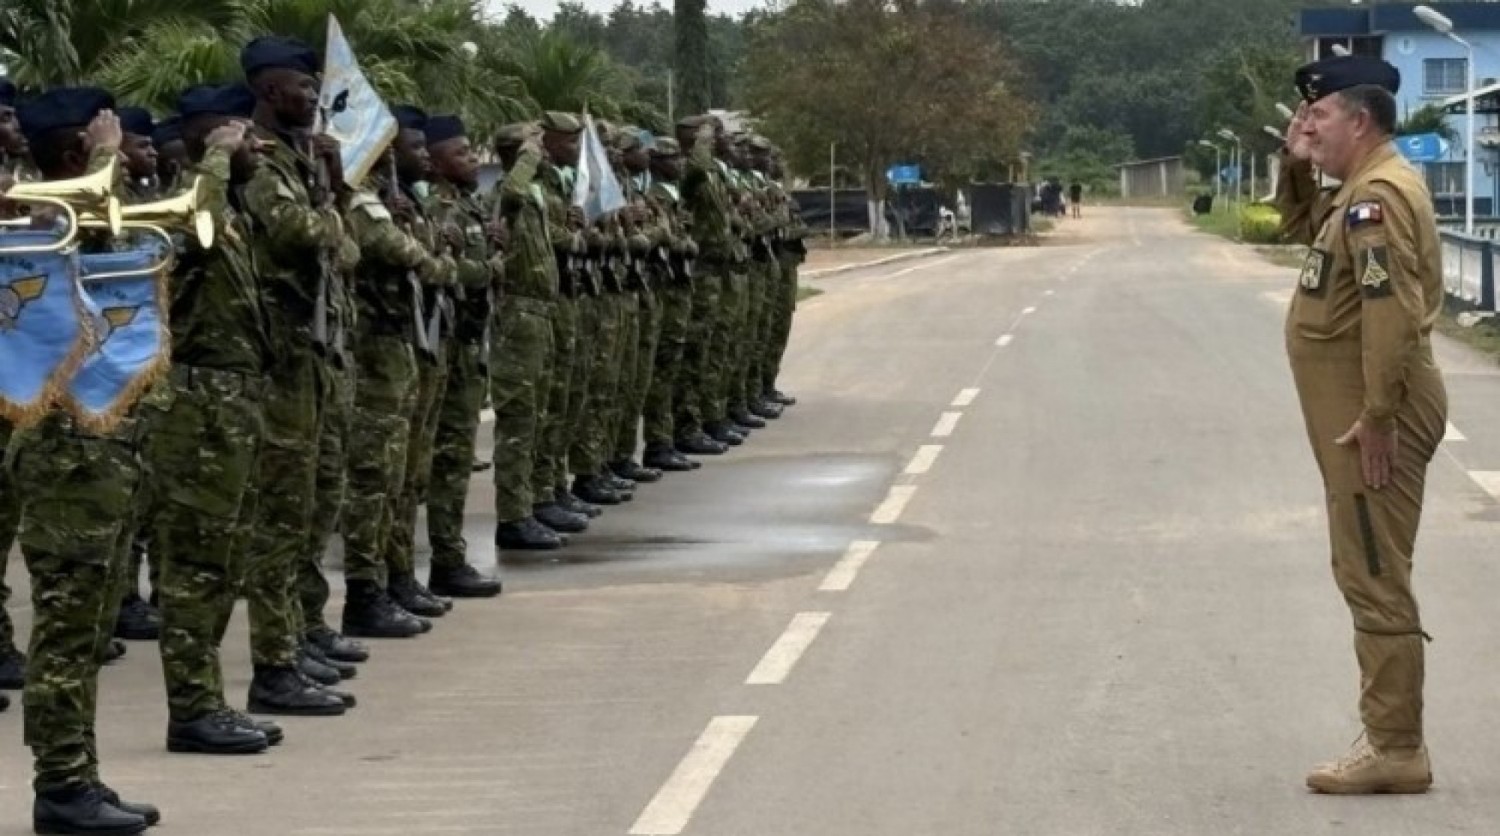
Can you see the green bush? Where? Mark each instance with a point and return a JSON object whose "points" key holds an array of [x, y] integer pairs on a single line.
{"points": [[1260, 225]]}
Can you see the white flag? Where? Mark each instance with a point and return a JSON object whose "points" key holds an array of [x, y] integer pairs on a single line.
{"points": [[596, 190], [350, 109]]}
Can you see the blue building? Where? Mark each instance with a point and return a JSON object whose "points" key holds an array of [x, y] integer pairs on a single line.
{"points": [[1434, 71]]}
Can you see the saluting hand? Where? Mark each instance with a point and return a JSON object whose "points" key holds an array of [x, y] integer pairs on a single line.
{"points": [[1298, 144], [1377, 452], [104, 132], [228, 137]]}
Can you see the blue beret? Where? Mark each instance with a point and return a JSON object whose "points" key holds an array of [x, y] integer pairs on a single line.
{"points": [[61, 107], [271, 52], [216, 100], [136, 120], [7, 93], [1340, 72], [410, 118], [167, 130], [443, 128]]}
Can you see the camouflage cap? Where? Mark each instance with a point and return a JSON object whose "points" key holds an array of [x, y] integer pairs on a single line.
{"points": [[666, 147], [693, 123], [514, 134], [562, 123], [760, 143], [628, 138]]}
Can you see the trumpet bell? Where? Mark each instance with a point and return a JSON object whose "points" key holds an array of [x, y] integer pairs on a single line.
{"points": [[91, 194], [181, 213]]}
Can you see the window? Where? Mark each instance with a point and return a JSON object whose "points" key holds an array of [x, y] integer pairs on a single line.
{"points": [[1444, 179], [1443, 76]]}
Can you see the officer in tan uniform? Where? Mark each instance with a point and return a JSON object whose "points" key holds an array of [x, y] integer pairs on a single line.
{"points": [[1359, 339]]}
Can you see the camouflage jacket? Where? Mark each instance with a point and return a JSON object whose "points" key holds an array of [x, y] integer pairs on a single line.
{"points": [[530, 263], [706, 198], [479, 266], [398, 268]]}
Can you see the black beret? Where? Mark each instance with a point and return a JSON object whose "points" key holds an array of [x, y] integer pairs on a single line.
{"points": [[61, 107], [7, 93], [216, 100], [443, 128], [1340, 72], [137, 120], [167, 130], [276, 52], [410, 118]]}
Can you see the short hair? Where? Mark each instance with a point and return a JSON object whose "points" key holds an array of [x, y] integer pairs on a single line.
{"points": [[1373, 99], [49, 149]]}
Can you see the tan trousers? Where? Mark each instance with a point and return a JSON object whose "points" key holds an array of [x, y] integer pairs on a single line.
{"points": [[1373, 533]]}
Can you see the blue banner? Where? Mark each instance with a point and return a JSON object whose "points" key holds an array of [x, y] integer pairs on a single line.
{"points": [[352, 112], [43, 336], [596, 190], [131, 341], [1422, 148]]}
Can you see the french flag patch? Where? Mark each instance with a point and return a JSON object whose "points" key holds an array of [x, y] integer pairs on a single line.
{"points": [[1365, 213]]}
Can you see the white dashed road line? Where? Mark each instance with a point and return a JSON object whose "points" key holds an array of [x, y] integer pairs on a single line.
{"points": [[673, 807], [778, 662], [1452, 434], [947, 423], [843, 573], [1005, 340], [965, 397], [925, 457], [895, 502]]}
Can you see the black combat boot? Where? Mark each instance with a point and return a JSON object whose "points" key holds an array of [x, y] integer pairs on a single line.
{"points": [[216, 733], [724, 433], [344, 697], [574, 505], [777, 396], [762, 408], [140, 808], [4, 702], [593, 490], [82, 809], [560, 519], [12, 669], [413, 597], [527, 535], [345, 670], [337, 647], [316, 671], [273, 732], [664, 458], [283, 691], [138, 621], [740, 415], [699, 444], [462, 582], [624, 487], [480, 467], [370, 613], [114, 651], [632, 470]]}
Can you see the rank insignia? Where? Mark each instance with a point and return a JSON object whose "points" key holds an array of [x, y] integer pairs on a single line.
{"points": [[1365, 213], [1375, 279], [1314, 271]]}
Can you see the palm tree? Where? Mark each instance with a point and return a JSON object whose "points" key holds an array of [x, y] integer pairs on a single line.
{"points": [[1428, 119], [560, 73]]}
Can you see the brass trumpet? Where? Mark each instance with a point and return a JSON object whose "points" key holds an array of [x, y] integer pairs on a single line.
{"points": [[91, 195], [183, 212]]}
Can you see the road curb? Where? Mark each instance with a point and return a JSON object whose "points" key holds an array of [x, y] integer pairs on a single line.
{"points": [[879, 262]]}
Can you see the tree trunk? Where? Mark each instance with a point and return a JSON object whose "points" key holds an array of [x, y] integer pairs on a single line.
{"points": [[692, 59]]}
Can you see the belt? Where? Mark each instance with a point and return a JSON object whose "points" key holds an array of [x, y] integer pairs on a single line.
{"points": [[219, 380]]}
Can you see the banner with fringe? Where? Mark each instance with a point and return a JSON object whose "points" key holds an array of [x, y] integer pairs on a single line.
{"points": [[125, 300], [45, 331]]}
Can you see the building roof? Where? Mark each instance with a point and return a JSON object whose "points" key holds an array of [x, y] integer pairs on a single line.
{"points": [[1382, 18], [1486, 100]]}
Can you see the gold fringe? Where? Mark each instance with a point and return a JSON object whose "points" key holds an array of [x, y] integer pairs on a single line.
{"points": [[55, 389], [106, 422]]}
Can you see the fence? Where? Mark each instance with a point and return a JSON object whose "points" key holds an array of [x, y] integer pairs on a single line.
{"points": [[1469, 269]]}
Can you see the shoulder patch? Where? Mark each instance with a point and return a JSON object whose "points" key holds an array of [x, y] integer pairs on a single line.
{"points": [[1375, 277], [1368, 212], [370, 205]]}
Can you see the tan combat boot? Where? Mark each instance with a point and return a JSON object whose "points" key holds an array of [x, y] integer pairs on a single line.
{"points": [[1368, 771]]}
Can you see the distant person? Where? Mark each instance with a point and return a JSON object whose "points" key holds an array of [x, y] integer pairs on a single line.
{"points": [[1075, 197]]}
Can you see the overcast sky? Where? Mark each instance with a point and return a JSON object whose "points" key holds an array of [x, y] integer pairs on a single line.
{"points": [[544, 8]]}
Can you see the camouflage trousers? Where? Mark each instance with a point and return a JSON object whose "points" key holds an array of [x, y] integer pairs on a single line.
{"points": [[592, 384], [385, 396], [765, 290], [10, 518], [522, 359], [556, 427], [729, 343], [613, 356], [674, 314], [331, 487], [400, 546], [695, 377], [453, 453], [635, 384], [783, 308], [78, 506], [285, 496], [200, 456]]}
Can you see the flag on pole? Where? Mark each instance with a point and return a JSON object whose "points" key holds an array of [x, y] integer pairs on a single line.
{"points": [[596, 189], [350, 109]]}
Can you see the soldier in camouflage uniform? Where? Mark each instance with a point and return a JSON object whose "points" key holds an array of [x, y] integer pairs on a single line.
{"points": [[726, 417], [790, 252], [765, 284], [396, 271], [674, 295], [289, 201], [526, 386], [78, 506], [201, 444], [12, 662], [455, 206]]}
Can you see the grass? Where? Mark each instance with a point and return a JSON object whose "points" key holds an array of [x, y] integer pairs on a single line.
{"points": [[1483, 336], [1219, 222]]}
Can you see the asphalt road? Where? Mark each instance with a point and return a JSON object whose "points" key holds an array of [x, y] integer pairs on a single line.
{"points": [[1040, 551]]}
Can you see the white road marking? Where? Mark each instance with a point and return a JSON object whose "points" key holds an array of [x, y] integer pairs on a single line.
{"points": [[923, 460], [778, 662], [924, 265], [1005, 340], [1452, 434], [1489, 480], [895, 502], [965, 397], [1049, 292], [843, 573], [1028, 311], [947, 423], [677, 800]]}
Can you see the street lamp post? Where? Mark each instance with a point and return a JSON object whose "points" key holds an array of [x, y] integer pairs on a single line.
{"points": [[1239, 152], [1440, 23], [1218, 169]]}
